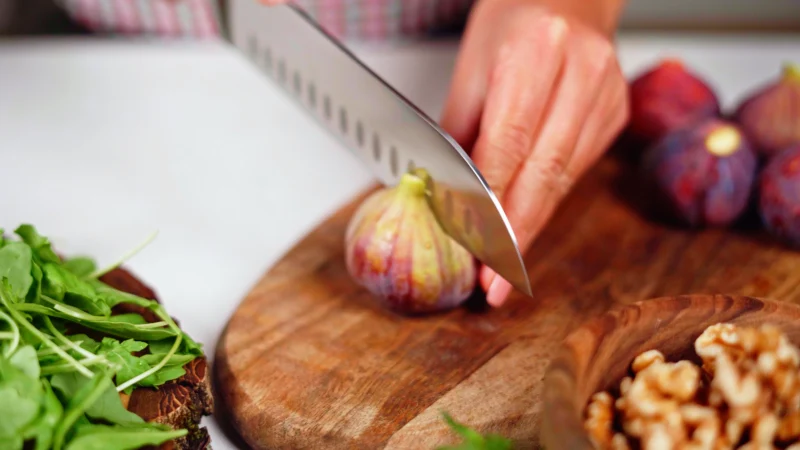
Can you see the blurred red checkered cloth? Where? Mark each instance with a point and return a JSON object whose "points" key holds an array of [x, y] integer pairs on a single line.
{"points": [[361, 19]]}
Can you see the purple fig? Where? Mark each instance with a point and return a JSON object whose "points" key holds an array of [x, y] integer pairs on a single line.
{"points": [[704, 172], [770, 116], [667, 97], [395, 247], [779, 196]]}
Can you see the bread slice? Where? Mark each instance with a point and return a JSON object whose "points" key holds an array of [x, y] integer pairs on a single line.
{"points": [[179, 403]]}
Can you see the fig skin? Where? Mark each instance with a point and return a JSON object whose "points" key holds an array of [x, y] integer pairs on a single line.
{"points": [[770, 115], [779, 196], [667, 97], [704, 173], [396, 249]]}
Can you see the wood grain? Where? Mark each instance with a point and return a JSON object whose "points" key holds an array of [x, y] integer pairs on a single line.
{"points": [[597, 355], [307, 361]]}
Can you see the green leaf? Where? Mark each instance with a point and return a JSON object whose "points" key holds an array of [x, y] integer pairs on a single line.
{"points": [[167, 373], [474, 440], [11, 443], [3, 239], [119, 354], [86, 342], [186, 347], [80, 266], [20, 397], [107, 406], [41, 430], [178, 359], [15, 265], [103, 437], [109, 326], [25, 359], [187, 351], [61, 284], [131, 318], [38, 243], [86, 392], [35, 291], [130, 366], [113, 297]]}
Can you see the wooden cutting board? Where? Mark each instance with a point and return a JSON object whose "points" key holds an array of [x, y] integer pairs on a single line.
{"points": [[307, 361]]}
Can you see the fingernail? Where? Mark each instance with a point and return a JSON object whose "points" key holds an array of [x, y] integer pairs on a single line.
{"points": [[498, 291]]}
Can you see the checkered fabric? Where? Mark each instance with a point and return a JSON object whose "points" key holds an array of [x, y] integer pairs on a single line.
{"points": [[350, 19]]}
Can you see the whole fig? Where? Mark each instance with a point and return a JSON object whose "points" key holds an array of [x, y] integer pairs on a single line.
{"points": [[770, 116], [779, 196], [704, 172], [395, 248], [666, 97]]}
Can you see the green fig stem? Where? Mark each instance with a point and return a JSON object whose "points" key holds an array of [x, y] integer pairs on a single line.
{"points": [[412, 185], [791, 72]]}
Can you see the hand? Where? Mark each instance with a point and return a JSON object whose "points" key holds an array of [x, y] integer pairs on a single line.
{"points": [[537, 96]]}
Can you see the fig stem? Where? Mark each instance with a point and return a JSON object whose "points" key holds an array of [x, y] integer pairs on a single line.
{"points": [[412, 185], [791, 72]]}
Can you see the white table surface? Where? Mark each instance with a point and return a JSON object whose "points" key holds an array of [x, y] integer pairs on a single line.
{"points": [[103, 142]]}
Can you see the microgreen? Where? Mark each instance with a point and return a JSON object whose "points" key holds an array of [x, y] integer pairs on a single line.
{"points": [[59, 388], [472, 440]]}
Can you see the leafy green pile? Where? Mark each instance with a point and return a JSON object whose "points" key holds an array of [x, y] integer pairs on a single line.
{"points": [[472, 440], [59, 387]]}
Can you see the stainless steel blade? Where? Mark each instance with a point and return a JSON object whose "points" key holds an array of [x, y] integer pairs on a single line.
{"points": [[383, 128]]}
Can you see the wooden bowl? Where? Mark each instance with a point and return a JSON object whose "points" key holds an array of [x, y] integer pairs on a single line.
{"points": [[597, 355]]}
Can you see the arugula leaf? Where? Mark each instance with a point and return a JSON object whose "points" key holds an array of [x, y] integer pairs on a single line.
{"points": [[25, 359], [35, 292], [178, 359], [38, 243], [186, 347], [20, 397], [131, 318], [187, 351], [86, 393], [2, 237], [81, 266], [112, 297], [474, 440], [15, 265], [103, 437], [107, 406], [63, 285], [86, 342], [41, 430], [167, 373], [128, 365], [109, 326]]}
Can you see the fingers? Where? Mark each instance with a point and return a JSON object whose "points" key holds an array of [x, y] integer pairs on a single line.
{"points": [[547, 174], [609, 116], [462, 110], [521, 83], [543, 180]]}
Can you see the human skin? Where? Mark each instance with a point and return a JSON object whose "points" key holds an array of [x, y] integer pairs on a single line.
{"points": [[537, 96]]}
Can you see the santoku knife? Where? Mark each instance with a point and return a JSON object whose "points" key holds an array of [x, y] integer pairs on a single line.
{"points": [[387, 132]]}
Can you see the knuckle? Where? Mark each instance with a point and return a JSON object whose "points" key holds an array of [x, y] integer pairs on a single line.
{"points": [[552, 175], [602, 61], [554, 27], [512, 139]]}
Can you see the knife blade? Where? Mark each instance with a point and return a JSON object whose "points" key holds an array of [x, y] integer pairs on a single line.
{"points": [[384, 129]]}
